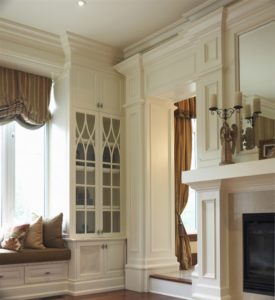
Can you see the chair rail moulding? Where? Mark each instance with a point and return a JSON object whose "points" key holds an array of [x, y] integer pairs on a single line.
{"points": [[30, 49]]}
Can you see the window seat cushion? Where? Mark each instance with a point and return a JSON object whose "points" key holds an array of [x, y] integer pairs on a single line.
{"points": [[33, 255]]}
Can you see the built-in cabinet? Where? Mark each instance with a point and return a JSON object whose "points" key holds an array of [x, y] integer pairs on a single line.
{"points": [[97, 174], [97, 90], [96, 230]]}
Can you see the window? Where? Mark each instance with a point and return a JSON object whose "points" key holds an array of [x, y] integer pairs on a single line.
{"points": [[189, 214], [22, 172]]}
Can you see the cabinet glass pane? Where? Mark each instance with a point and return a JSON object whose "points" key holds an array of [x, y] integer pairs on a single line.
{"points": [[80, 222], [79, 121], [90, 222], [90, 196], [80, 175], [106, 178], [116, 128], [80, 151], [106, 128], [90, 156], [106, 221], [116, 178], [116, 156], [91, 124], [116, 197], [80, 195], [90, 176], [116, 221], [106, 155], [106, 197]]}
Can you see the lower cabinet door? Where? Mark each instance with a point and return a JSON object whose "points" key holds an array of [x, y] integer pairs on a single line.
{"points": [[99, 259], [11, 276], [46, 272], [90, 260], [114, 254]]}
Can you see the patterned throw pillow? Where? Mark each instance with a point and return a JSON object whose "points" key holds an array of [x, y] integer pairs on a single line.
{"points": [[14, 238]]}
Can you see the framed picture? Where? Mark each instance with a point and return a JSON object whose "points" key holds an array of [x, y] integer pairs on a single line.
{"points": [[267, 149]]}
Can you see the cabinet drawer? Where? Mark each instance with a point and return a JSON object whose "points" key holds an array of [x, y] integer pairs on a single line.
{"points": [[11, 276], [45, 273]]}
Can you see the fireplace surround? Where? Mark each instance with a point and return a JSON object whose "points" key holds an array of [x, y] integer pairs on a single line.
{"points": [[218, 188], [258, 253]]}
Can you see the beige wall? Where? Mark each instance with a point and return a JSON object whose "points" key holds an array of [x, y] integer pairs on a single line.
{"points": [[253, 202]]}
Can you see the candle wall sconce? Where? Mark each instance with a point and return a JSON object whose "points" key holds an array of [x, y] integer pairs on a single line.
{"points": [[248, 136], [228, 136]]}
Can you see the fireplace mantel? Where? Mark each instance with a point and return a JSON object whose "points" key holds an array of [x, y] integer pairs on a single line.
{"points": [[233, 171], [214, 184]]}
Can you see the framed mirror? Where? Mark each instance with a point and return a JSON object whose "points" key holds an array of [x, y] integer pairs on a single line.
{"points": [[257, 83]]}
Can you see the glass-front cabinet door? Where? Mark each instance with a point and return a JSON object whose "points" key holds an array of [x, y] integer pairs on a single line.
{"points": [[110, 163], [85, 168], [97, 177]]}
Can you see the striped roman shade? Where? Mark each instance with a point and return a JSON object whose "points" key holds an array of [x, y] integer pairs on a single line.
{"points": [[24, 97]]}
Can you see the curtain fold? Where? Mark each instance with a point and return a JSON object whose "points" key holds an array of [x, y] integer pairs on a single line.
{"points": [[24, 97], [186, 110]]}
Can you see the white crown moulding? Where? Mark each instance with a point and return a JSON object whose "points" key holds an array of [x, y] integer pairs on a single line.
{"points": [[179, 27], [79, 49], [29, 49]]}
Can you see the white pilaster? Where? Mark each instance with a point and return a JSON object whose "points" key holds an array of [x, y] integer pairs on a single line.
{"points": [[149, 181]]}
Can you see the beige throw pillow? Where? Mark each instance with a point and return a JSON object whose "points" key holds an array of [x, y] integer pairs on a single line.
{"points": [[34, 237], [52, 232]]}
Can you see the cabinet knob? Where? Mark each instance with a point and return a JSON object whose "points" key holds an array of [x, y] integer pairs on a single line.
{"points": [[47, 273], [98, 105], [1, 276], [98, 231], [102, 246], [101, 105], [106, 246]]}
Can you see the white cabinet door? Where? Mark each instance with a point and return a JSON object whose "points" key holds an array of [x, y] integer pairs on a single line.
{"points": [[98, 259], [85, 87], [98, 205], [97, 90], [91, 261], [111, 93], [114, 257]]}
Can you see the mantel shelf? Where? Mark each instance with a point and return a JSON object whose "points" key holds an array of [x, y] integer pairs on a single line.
{"points": [[236, 176]]}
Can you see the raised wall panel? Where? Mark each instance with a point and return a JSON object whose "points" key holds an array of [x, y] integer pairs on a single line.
{"points": [[211, 120], [159, 178], [133, 178], [209, 52], [208, 124], [208, 238]]}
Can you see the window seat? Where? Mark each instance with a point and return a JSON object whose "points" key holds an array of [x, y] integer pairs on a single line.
{"points": [[32, 255]]}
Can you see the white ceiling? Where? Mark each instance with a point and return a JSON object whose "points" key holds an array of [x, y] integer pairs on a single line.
{"points": [[118, 23]]}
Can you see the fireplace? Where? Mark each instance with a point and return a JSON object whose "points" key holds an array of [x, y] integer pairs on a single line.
{"points": [[258, 253]]}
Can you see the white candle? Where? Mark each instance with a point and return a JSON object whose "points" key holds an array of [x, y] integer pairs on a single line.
{"points": [[247, 111], [213, 101], [256, 105], [238, 99]]}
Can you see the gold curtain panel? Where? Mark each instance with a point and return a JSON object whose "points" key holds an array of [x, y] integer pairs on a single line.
{"points": [[24, 97]]}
